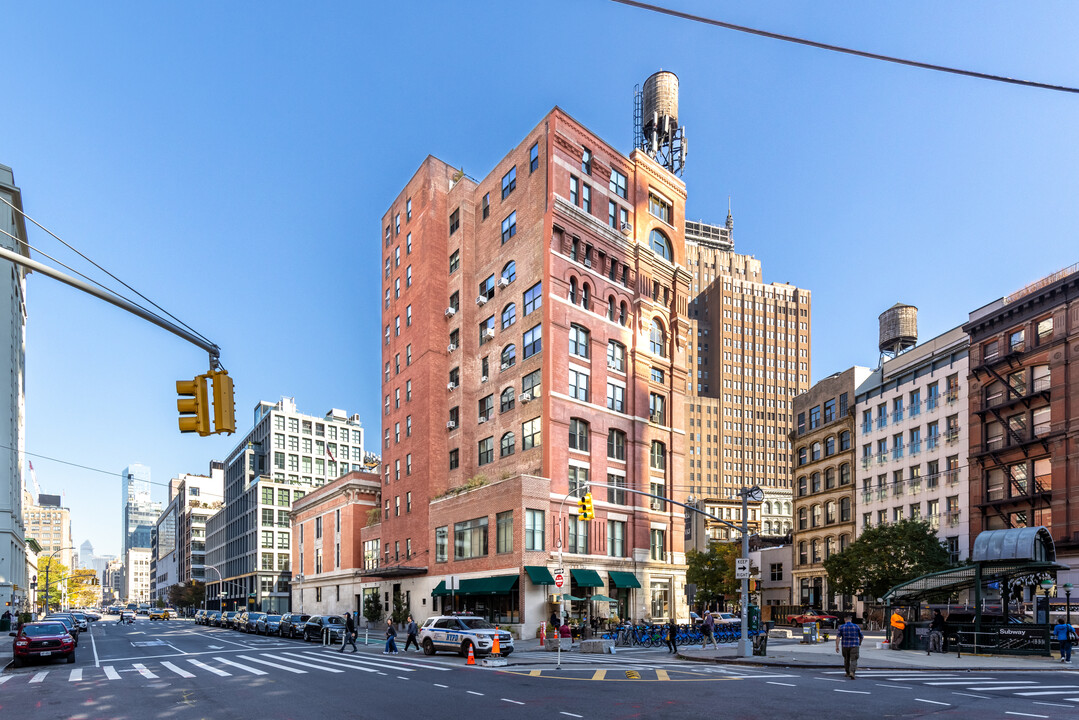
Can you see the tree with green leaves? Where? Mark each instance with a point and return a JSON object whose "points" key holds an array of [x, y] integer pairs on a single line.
{"points": [[884, 556], [372, 608], [712, 571]]}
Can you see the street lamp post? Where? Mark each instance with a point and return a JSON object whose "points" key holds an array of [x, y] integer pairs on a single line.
{"points": [[48, 567], [1068, 602], [1047, 585]]}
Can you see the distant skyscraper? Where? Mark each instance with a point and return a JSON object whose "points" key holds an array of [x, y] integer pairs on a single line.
{"points": [[139, 513], [86, 555]]}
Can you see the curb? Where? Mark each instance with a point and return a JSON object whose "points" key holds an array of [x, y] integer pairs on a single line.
{"points": [[746, 662]]}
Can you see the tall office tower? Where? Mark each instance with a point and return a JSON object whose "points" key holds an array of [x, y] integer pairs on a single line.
{"points": [[13, 579], [179, 551], [749, 356], [139, 512], [535, 334], [48, 522]]}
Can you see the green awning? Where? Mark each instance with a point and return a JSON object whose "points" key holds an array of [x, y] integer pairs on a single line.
{"points": [[621, 579], [440, 590], [602, 598], [586, 578], [539, 575], [497, 585], [570, 597]]}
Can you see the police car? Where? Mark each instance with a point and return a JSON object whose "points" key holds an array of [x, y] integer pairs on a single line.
{"points": [[456, 633]]}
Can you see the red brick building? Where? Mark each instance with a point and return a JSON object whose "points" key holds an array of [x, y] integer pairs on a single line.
{"points": [[327, 554], [1024, 430], [535, 326]]}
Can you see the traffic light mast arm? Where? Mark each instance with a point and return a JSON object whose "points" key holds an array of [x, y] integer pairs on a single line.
{"points": [[101, 294], [672, 502]]}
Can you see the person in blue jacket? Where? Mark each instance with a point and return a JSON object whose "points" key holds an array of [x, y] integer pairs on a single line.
{"points": [[1065, 635]]}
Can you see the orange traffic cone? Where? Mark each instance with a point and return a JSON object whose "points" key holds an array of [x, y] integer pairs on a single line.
{"points": [[471, 657], [495, 649]]}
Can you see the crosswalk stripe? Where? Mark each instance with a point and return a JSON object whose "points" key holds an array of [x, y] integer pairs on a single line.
{"points": [[216, 671], [253, 671], [111, 673], [144, 672], [4, 678], [1026, 685], [362, 664], [393, 662], [1068, 691], [967, 681], [273, 665], [303, 663], [338, 663], [76, 675], [39, 676], [179, 671]]}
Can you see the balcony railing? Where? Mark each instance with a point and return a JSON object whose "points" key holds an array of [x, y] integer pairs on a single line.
{"points": [[951, 477], [897, 453], [934, 521], [952, 396], [897, 489], [916, 408], [897, 415], [914, 487], [952, 436], [867, 427], [951, 518], [931, 402], [882, 421], [867, 496], [931, 442], [881, 457], [1041, 384], [882, 493], [867, 460], [915, 448]]}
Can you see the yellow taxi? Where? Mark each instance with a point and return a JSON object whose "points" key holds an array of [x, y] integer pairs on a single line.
{"points": [[159, 614]]}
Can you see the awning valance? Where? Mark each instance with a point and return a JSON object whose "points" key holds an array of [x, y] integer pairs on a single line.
{"points": [[497, 585], [539, 575], [621, 579], [586, 578]]}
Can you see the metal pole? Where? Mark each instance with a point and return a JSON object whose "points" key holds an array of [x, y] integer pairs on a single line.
{"points": [[743, 644]]}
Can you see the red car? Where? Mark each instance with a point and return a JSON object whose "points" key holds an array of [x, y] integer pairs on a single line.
{"points": [[810, 616], [46, 640]]}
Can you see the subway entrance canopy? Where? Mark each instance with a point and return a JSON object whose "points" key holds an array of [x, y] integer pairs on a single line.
{"points": [[1015, 555]]}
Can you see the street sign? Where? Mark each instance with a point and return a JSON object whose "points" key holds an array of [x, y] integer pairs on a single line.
{"points": [[741, 569], [559, 580], [560, 571]]}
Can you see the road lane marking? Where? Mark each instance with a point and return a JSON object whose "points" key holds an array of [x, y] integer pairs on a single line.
{"points": [[983, 697], [76, 675], [980, 681], [111, 673], [39, 676], [287, 668], [570, 714], [376, 663], [515, 702], [853, 692], [144, 672], [440, 685], [338, 664], [401, 677], [769, 682], [211, 668], [901, 687], [383, 662], [93, 644], [829, 679], [1025, 686], [599, 674], [535, 673], [1025, 714], [179, 671], [1049, 690], [933, 702], [357, 663], [5, 678], [662, 675], [248, 668], [175, 648], [303, 663], [1052, 704], [473, 692]]}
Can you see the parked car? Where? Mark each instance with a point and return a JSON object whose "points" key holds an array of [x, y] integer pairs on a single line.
{"points": [[291, 625], [810, 616], [268, 624], [44, 640], [82, 620], [68, 622], [213, 618], [250, 620], [458, 633], [316, 624], [228, 619], [91, 615]]}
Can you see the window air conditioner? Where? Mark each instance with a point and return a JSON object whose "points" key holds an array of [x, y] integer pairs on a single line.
{"points": [[451, 347], [489, 333], [451, 425], [483, 379], [587, 263], [450, 312], [503, 282], [505, 366], [627, 227], [481, 300], [524, 397], [482, 420], [451, 386]]}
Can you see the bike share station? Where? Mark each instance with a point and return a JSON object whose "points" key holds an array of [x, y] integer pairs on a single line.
{"points": [[1010, 562]]}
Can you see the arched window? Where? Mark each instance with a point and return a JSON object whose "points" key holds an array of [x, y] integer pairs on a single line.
{"points": [[509, 356], [815, 551], [829, 446], [844, 509], [584, 297], [767, 508], [506, 400], [815, 482], [815, 517], [622, 314], [767, 527], [815, 454], [660, 245], [786, 508], [573, 290], [801, 486], [509, 271], [610, 308], [802, 559], [616, 445], [844, 474], [658, 339], [844, 542], [829, 478], [844, 440], [507, 444], [509, 315], [657, 459], [829, 512], [802, 456], [829, 547], [578, 434], [802, 518], [786, 527]]}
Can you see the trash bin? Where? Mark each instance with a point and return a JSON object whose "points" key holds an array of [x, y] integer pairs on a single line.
{"points": [[760, 644], [5, 624], [809, 633]]}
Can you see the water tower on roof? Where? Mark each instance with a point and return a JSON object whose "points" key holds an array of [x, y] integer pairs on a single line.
{"points": [[898, 329], [655, 121]]}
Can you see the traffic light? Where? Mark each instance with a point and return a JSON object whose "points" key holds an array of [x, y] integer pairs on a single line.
{"points": [[224, 402], [194, 405], [585, 506]]}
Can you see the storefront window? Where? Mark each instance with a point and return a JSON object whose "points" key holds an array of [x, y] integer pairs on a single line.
{"points": [[661, 598]]}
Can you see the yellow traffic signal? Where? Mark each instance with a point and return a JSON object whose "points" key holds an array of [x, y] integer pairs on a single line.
{"points": [[193, 405], [224, 402], [587, 512]]}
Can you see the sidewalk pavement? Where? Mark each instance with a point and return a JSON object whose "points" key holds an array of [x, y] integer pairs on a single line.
{"points": [[823, 655]]}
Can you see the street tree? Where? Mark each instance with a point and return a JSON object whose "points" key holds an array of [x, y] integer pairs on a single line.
{"points": [[372, 608], [884, 556], [713, 571]]}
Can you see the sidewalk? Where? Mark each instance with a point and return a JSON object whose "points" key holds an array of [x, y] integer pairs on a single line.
{"points": [[823, 655]]}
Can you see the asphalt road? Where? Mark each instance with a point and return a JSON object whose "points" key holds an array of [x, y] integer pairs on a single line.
{"points": [[179, 671]]}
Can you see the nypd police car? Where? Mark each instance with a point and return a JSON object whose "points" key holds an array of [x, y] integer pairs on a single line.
{"points": [[456, 633]]}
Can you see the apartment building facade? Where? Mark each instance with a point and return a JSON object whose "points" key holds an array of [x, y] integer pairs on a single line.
{"points": [[824, 492], [1024, 438], [179, 547], [912, 427], [544, 349], [49, 523]]}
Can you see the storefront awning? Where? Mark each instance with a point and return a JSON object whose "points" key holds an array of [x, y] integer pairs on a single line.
{"points": [[602, 598], [586, 578], [498, 585], [621, 579], [539, 575]]}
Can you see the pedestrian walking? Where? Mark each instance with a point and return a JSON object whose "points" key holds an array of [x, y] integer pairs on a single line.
{"points": [[412, 631], [898, 625], [708, 628], [936, 633], [350, 633], [1065, 635], [672, 636], [391, 639], [848, 638], [554, 621]]}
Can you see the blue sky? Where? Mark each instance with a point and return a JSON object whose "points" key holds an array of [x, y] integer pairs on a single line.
{"points": [[232, 162]]}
